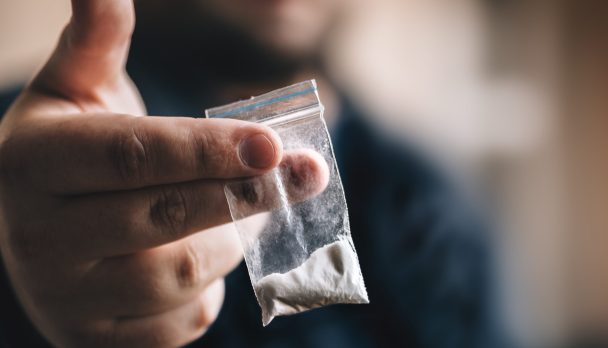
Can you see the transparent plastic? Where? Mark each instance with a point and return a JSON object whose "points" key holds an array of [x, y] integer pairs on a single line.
{"points": [[303, 257]]}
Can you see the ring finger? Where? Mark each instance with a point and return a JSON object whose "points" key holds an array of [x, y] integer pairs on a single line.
{"points": [[158, 279]]}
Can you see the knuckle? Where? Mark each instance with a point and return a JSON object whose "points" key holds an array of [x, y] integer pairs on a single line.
{"points": [[209, 156], [209, 310], [247, 191], [129, 156], [201, 145], [207, 316], [188, 269], [170, 211]]}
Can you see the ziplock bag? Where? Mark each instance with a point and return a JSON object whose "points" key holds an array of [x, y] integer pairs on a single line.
{"points": [[304, 256]]}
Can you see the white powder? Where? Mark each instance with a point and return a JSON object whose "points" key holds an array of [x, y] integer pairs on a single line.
{"points": [[330, 275]]}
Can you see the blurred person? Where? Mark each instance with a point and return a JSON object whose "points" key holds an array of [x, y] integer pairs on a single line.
{"points": [[100, 209]]}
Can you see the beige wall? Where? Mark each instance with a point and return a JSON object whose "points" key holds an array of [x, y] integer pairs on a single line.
{"points": [[479, 85], [28, 30], [585, 124]]}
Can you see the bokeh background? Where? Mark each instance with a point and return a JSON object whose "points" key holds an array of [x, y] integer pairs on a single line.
{"points": [[512, 96]]}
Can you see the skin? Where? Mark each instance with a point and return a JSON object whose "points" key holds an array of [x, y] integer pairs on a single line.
{"points": [[110, 222]]}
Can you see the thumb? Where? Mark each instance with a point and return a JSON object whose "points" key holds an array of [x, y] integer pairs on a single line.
{"points": [[92, 51]]}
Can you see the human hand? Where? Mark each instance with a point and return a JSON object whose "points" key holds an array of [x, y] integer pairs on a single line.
{"points": [[100, 208]]}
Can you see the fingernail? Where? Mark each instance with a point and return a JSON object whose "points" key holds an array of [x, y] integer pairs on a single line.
{"points": [[257, 151]]}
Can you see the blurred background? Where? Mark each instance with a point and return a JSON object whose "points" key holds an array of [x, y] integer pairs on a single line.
{"points": [[512, 95]]}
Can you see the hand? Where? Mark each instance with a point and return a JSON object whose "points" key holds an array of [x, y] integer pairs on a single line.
{"points": [[100, 208]]}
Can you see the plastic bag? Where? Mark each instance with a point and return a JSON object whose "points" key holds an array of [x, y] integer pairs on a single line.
{"points": [[304, 256]]}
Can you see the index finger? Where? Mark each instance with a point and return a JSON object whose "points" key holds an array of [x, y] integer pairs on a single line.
{"points": [[117, 152]]}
